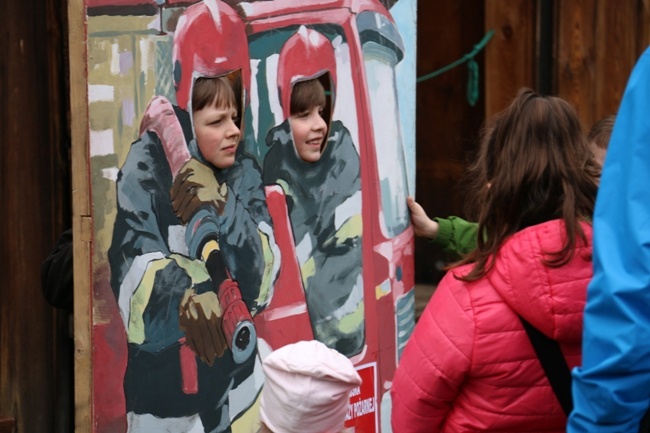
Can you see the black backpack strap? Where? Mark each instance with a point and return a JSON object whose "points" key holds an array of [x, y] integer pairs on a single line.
{"points": [[554, 365]]}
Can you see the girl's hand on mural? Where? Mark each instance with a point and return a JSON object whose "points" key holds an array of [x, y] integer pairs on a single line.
{"points": [[200, 317], [422, 224], [196, 186]]}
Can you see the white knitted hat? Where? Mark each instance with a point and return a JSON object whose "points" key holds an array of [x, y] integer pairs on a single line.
{"points": [[306, 389]]}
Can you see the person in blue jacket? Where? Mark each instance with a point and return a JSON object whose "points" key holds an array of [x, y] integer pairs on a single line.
{"points": [[611, 390]]}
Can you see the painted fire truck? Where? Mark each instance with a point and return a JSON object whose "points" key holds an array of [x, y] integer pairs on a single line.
{"points": [[353, 47]]}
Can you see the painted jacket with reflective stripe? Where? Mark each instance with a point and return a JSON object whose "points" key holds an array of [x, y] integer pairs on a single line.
{"points": [[151, 269]]}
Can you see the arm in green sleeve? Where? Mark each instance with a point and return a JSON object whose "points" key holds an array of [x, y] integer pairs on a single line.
{"points": [[455, 235]]}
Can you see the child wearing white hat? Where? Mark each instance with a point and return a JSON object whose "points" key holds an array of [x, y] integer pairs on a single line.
{"points": [[306, 389]]}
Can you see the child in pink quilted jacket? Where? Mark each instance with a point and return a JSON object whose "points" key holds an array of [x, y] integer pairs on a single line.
{"points": [[470, 365]]}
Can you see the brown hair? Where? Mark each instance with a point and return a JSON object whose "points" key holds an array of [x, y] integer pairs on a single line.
{"points": [[601, 131], [533, 166], [307, 94], [216, 91]]}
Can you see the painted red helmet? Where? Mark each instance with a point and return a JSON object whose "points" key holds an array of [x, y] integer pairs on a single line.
{"points": [[210, 41], [307, 54]]}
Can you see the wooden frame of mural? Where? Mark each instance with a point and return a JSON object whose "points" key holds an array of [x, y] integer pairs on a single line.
{"points": [[236, 215], [81, 219]]}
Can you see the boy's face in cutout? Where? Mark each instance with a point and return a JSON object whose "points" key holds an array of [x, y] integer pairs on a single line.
{"points": [[309, 131], [217, 134]]}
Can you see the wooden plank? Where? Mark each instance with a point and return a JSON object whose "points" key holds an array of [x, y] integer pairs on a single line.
{"points": [[509, 57], [82, 224], [598, 44], [576, 55], [615, 35]]}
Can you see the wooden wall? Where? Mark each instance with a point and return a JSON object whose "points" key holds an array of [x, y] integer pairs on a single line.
{"points": [[594, 45], [599, 43]]}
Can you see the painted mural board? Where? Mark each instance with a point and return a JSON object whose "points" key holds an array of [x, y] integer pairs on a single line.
{"points": [[296, 237]]}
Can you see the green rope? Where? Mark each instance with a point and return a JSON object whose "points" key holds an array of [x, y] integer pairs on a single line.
{"points": [[473, 76]]}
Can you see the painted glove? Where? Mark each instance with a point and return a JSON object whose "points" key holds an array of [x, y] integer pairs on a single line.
{"points": [[196, 186], [200, 316]]}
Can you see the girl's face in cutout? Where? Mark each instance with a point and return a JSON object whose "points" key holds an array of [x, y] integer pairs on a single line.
{"points": [[217, 134], [309, 131]]}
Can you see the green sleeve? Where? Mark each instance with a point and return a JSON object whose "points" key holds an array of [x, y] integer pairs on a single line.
{"points": [[455, 235]]}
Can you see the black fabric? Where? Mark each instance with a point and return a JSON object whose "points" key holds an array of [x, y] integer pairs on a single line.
{"points": [[645, 423], [56, 273], [555, 366]]}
